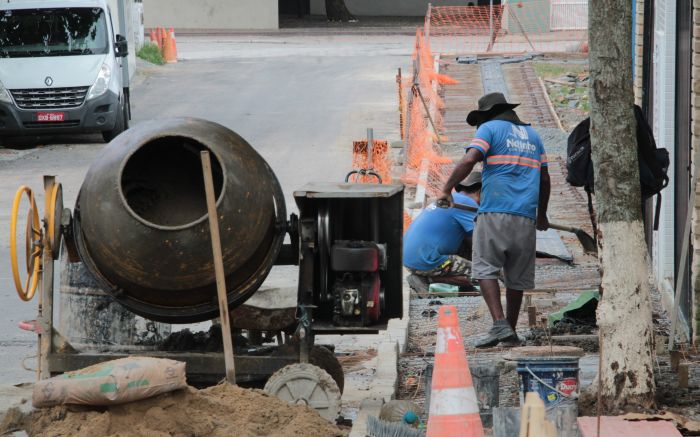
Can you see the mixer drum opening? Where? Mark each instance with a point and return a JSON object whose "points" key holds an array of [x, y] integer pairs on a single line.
{"points": [[162, 182], [142, 227]]}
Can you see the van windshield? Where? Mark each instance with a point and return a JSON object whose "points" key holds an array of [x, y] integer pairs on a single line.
{"points": [[53, 32]]}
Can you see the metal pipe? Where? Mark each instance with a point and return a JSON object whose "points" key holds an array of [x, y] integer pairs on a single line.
{"points": [[370, 147], [491, 18]]}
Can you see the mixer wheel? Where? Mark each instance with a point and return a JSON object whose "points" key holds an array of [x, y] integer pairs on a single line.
{"points": [[324, 358], [306, 384]]}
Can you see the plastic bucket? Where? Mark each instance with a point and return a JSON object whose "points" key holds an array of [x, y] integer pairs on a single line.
{"points": [[486, 379], [555, 379]]}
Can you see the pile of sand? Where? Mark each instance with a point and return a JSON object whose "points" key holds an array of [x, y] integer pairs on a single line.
{"points": [[223, 410]]}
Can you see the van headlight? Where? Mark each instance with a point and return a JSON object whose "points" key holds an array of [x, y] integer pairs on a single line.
{"points": [[4, 94], [101, 84]]}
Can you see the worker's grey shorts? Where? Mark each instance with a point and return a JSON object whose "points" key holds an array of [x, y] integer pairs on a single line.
{"points": [[508, 242]]}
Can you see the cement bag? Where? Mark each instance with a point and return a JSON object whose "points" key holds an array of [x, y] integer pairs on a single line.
{"points": [[112, 382]]}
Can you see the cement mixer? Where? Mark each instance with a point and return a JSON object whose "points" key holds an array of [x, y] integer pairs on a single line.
{"points": [[139, 231]]}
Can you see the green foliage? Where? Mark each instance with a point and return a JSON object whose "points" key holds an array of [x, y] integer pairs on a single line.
{"points": [[151, 53], [549, 70]]}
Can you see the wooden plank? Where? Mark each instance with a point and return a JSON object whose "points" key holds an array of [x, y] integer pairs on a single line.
{"points": [[506, 420], [683, 375], [552, 111], [616, 427], [675, 358], [532, 418], [219, 268], [209, 363], [532, 316], [46, 297]]}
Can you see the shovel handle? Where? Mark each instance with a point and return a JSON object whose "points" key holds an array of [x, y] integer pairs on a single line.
{"points": [[562, 227], [443, 204]]}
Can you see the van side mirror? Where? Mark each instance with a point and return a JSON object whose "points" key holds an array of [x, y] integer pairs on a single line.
{"points": [[121, 48]]}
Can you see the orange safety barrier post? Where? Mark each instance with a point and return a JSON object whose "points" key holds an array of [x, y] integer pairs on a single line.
{"points": [[399, 82], [523, 26], [169, 49], [454, 411]]}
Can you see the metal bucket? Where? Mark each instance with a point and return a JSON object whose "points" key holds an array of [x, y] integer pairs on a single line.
{"points": [[92, 319]]}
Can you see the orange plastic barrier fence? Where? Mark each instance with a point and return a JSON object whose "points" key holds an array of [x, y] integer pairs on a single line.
{"points": [[524, 26], [380, 161], [424, 163]]}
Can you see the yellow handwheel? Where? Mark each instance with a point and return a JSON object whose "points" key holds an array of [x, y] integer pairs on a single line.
{"points": [[54, 209], [32, 245]]}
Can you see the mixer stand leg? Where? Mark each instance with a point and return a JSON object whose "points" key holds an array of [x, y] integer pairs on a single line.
{"points": [[306, 336]]}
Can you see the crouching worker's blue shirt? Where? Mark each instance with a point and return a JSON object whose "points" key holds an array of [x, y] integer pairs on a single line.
{"points": [[436, 233]]}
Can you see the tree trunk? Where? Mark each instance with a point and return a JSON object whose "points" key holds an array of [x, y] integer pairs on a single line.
{"points": [[336, 10], [624, 313]]}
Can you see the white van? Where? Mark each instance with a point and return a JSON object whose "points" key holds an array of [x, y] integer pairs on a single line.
{"points": [[61, 69]]}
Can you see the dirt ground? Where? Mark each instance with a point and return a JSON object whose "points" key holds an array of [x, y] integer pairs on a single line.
{"points": [[222, 410]]}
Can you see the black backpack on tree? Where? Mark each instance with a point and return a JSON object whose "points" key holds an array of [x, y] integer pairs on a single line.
{"points": [[653, 162]]}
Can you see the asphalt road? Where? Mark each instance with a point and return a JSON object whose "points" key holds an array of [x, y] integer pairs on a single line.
{"points": [[299, 100]]}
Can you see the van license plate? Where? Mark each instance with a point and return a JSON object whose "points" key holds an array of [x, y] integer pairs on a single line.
{"points": [[50, 116]]}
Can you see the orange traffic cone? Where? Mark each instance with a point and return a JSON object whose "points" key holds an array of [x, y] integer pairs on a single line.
{"points": [[154, 39], [159, 38], [169, 49], [454, 411]]}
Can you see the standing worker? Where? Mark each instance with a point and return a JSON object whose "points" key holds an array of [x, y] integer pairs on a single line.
{"points": [[513, 205], [434, 244]]}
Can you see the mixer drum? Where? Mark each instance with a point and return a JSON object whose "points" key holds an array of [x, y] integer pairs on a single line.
{"points": [[141, 222]]}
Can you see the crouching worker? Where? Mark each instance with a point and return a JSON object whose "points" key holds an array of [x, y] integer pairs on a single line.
{"points": [[437, 245]]}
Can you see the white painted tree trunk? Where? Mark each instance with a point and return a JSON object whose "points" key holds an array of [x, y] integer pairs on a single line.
{"points": [[624, 317], [624, 313]]}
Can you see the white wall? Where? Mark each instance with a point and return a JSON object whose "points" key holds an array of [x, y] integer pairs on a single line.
{"points": [[664, 58], [211, 14], [400, 8]]}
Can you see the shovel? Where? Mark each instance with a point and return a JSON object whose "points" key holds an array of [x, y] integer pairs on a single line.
{"points": [[587, 242]]}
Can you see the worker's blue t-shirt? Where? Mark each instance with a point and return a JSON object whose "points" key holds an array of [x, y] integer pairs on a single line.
{"points": [[513, 158], [436, 233]]}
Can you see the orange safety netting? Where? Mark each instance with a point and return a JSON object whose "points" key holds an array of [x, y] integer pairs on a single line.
{"points": [[524, 26], [381, 163], [406, 221], [424, 163]]}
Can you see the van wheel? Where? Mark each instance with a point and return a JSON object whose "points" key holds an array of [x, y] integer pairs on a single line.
{"points": [[120, 125]]}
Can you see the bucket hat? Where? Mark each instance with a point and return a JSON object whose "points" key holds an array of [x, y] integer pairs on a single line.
{"points": [[490, 105]]}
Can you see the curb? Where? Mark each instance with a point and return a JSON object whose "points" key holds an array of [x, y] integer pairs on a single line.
{"points": [[386, 377]]}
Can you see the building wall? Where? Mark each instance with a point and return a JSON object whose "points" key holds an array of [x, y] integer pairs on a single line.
{"points": [[664, 54], [695, 132], [211, 14], [403, 8], [638, 52]]}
